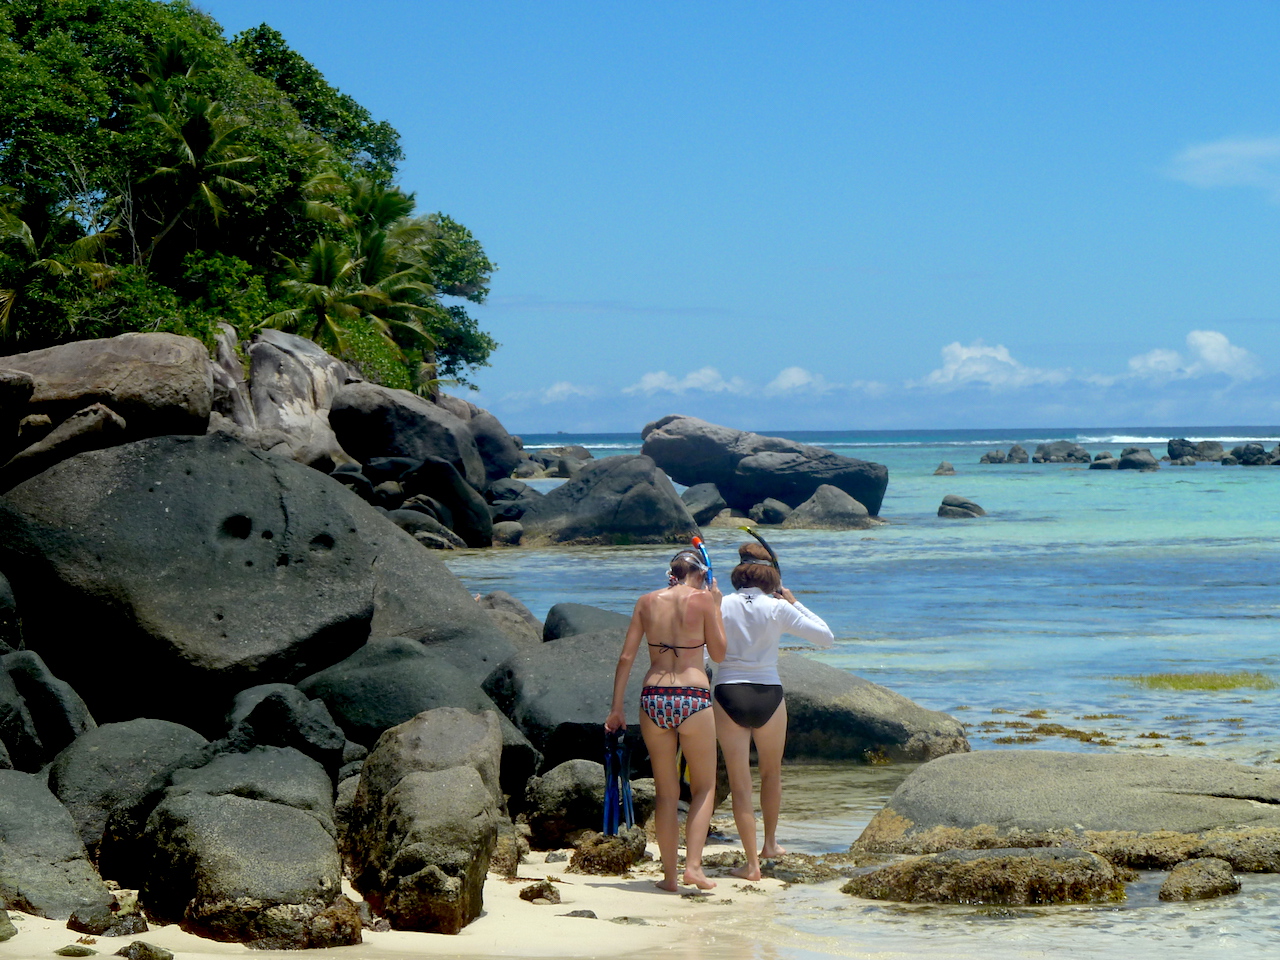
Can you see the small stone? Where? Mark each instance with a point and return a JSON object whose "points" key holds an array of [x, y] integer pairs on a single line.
{"points": [[141, 950], [75, 950], [557, 856], [7, 929], [630, 921], [945, 469], [1201, 879], [541, 892], [585, 914]]}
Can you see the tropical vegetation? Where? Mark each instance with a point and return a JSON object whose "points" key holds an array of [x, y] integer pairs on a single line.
{"points": [[155, 175]]}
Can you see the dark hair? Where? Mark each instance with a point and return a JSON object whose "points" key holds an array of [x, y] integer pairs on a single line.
{"points": [[684, 563], [752, 573]]}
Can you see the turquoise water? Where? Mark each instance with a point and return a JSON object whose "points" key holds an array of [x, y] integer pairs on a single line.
{"points": [[1076, 581]]}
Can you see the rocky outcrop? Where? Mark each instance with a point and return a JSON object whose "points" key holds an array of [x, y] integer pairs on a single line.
{"points": [[571, 619], [959, 508], [1138, 811], [113, 765], [830, 508], [993, 456], [1060, 451], [94, 427], [512, 617], [945, 469], [1017, 454], [390, 681], [834, 715], [374, 421], [773, 511], [1205, 450], [243, 849], [624, 499], [1012, 877], [44, 869], [1102, 462], [747, 467], [425, 820], [160, 383], [294, 572]]}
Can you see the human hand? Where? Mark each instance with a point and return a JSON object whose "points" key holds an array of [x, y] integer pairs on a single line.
{"points": [[782, 593], [715, 590], [615, 722]]}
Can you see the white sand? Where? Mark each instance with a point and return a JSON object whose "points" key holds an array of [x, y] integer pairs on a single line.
{"points": [[509, 926]]}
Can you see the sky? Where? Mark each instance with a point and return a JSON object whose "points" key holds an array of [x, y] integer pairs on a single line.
{"points": [[843, 215]]}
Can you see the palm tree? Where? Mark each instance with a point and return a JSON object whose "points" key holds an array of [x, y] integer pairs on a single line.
{"points": [[326, 284]]}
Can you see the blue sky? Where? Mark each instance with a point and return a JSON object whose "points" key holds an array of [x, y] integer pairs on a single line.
{"points": [[860, 215]]}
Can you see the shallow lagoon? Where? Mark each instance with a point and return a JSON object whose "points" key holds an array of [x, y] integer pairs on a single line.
{"points": [[1076, 580]]}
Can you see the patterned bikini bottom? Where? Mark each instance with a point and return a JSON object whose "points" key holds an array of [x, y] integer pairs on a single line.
{"points": [[668, 706]]}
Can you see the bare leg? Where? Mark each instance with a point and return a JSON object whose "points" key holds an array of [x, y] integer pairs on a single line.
{"points": [[698, 740], [735, 744], [661, 744], [771, 740]]}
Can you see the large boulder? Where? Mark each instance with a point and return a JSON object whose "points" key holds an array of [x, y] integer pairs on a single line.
{"points": [[292, 385], [44, 869], [94, 427], [160, 383], [498, 449], [956, 507], [375, 421], [748, 467], [834, 715], [468, 513], [623, 499], [1141, 811], [425, 820], [243, 849], [704, 502], [1137, 458], [281, 715], [830, 508], [216, 567], [1179, 449], [113, 765], [512, 617], [571, 619], [39, 713], [568, 801], [390, 681]]}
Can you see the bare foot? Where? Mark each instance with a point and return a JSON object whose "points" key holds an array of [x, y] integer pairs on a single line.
{"points": [[696, 878], [746, 872], [772, 851], [667, 885]]}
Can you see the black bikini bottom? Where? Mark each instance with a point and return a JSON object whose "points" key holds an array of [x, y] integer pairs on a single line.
{"points": [[749, 705]]}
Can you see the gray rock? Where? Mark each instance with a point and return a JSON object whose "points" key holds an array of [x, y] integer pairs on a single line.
{"points": [[141, 950], [469, 515], [1203, 878], [747, 467], [624, 499], [10, 625], [834, 715], [993, 456], [1138, 458], [7, 930], [292, 384], [415, 522], [281, 715], [1251, 455], [830, 508], [122, 917], [375, 421], [219, 567], [44, 869], [704, 502], [425, 820], [1018, 454], [945, 469], [510, 489], [567, 802], [92, 428], [959, 508], [571, 619], [113, 765], [1105, 463], [770, 510], [498, 449], [1060, 451], [508, 532], [160, 383], [512, 617], [39, 713], [243, 850], [1140, 811], [1012, 876], [389, 682]]}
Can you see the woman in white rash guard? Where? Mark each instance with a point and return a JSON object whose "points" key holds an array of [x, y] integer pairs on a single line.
{"points": [[748, 700]]}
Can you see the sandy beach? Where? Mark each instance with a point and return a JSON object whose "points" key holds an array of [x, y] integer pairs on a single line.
{"points": [[632, 918]]}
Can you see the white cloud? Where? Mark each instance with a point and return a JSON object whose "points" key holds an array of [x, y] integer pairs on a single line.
{"points": [[706, 380], [1232, 162], [564, 390], [981, 364], [1209, 352], [797, 380]]}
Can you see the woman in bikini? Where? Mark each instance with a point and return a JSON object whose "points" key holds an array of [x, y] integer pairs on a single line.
{"points": [[748, 697], [677, 623]]}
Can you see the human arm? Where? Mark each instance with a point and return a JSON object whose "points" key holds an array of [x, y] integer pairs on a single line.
{"points": [[630, 646], [797, 619], [713, 625]]}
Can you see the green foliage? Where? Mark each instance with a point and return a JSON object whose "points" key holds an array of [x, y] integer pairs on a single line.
{"points": [[154, 176]]}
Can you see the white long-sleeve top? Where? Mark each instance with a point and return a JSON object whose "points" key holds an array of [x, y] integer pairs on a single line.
{"points": [[754, 621]]}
